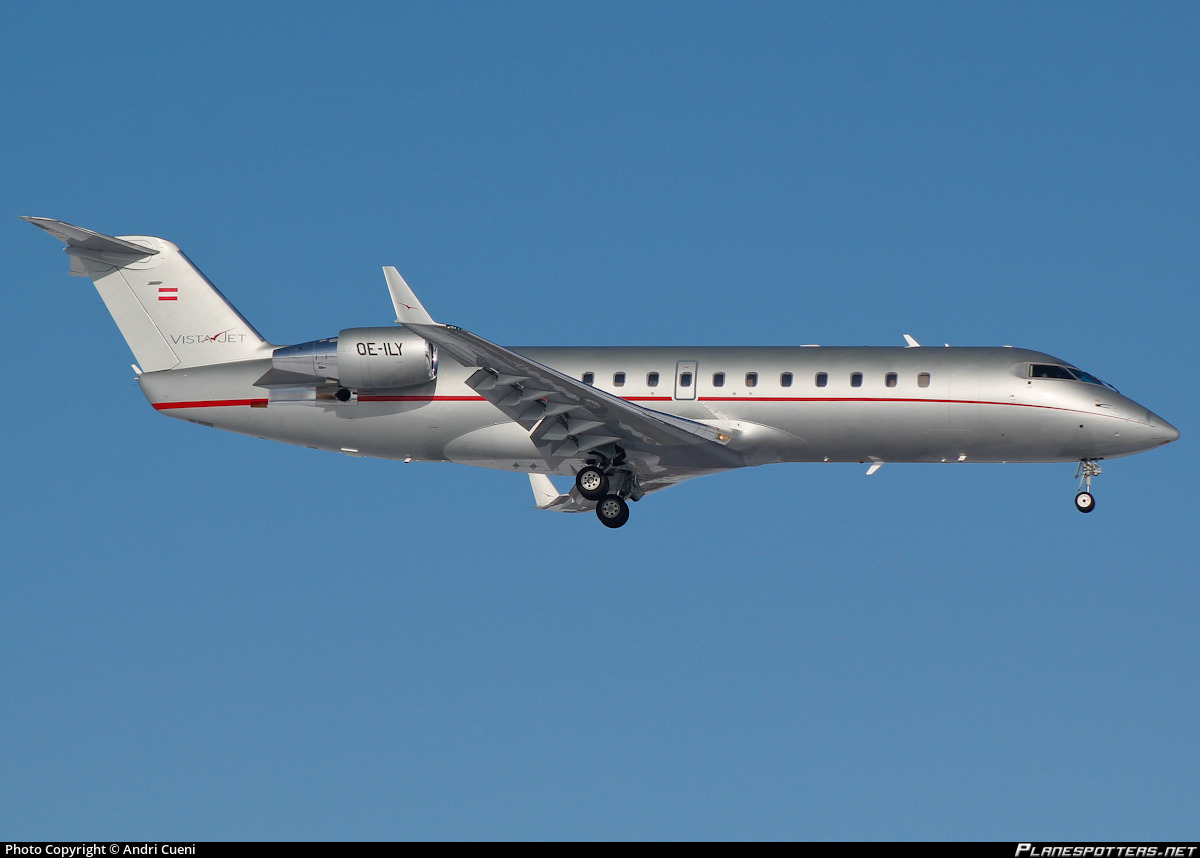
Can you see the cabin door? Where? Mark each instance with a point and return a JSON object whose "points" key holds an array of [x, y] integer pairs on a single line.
{"points": [[685, 379]]}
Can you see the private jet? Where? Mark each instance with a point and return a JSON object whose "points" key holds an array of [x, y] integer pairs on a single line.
{"points": [[623, 422]]}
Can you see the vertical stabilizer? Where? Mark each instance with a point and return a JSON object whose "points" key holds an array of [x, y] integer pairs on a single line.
{"points": [[169, 313]]}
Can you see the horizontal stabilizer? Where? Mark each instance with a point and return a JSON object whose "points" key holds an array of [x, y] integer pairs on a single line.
{"points": [[86, 239]]}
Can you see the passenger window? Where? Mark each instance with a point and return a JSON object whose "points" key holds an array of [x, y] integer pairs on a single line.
{"points": [[652, 379], [685, 379], [718, 379], [785, 380], [618, 379], [822, 379], [751, 379], [856, 379], [589, 378], [891, 378], [923, 380]]}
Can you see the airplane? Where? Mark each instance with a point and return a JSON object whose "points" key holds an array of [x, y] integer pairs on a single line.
{"points": [[622, 421]]}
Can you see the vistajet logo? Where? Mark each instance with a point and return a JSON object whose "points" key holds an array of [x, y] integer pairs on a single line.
{"points": [[221, 337]]}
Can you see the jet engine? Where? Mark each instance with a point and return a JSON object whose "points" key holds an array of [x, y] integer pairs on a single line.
{"points": [[356, 359], [376, 358]]}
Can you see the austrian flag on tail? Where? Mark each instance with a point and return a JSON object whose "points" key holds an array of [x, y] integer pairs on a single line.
{"points": [[168, 293]]}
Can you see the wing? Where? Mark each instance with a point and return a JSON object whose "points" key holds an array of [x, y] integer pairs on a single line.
{"points": [[569, 420]]}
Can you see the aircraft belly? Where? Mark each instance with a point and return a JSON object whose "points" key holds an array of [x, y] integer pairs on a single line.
{"points": [[842, 431], [894, 431], [502, 445]]}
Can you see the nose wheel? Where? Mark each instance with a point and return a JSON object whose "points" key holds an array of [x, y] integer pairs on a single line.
{"points": [[1084, 502]]}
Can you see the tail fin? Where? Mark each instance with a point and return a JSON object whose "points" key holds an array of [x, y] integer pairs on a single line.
{"points": [[168, 312]]}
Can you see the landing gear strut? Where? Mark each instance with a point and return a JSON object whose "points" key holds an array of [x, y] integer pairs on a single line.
{"points": [[1084, 502]]}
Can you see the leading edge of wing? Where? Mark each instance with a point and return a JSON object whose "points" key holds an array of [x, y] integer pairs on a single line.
{"points": [[566, 418]]}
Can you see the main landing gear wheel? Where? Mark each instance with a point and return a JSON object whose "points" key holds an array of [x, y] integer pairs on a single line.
{"points": [[612, 511], [592, 484], [1084, 502]]}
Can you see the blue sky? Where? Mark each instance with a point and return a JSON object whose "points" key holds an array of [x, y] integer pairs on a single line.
{"points": [[207, 636]]}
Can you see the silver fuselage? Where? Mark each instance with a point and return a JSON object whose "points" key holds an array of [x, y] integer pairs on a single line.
{"points": [[909, 405]]}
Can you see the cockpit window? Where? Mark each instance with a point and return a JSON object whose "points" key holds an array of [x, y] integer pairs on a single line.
{"points": [[1071, 373], [1088, 377], [1047, 370]]}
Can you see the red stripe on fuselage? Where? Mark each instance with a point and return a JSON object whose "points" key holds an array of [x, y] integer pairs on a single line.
{"points": [[209, 403], [870, 399], [226, 403]]}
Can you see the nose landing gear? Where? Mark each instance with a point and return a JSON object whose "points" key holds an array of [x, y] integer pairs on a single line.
{"points": [[1084, 502]]}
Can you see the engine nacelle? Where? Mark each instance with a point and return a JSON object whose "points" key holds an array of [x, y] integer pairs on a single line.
{"points": [[358, 359], [375, 358]]}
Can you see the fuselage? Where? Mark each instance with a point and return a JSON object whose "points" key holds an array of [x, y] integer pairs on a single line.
{"points": [[624, 421], [780, 404]]}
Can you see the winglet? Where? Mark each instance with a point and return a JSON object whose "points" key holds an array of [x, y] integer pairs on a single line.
{"points": [[408, 308], [544, 492], [912, 344]]}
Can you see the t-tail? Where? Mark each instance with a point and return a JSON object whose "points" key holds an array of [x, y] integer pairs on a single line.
{"points": [[171, 316]]}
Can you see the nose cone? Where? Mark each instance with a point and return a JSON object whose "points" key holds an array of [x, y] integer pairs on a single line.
{"points": [[1165, 433]]}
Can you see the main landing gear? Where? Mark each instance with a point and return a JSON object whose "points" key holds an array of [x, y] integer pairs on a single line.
{"points": [[1084, 502], [612, 511], [592, 482], [608, 484]]}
